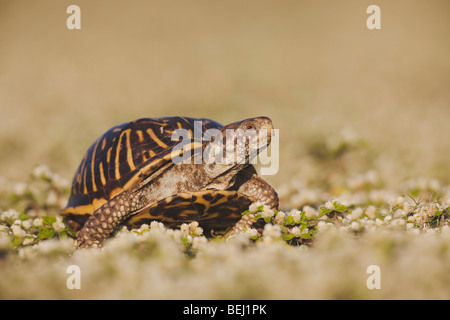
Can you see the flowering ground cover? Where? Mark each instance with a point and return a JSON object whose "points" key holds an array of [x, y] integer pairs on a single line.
{"points": [[322, 247]]}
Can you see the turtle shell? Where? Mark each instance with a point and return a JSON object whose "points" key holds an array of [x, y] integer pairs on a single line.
{"points": [[215, 210], [121, 158]]}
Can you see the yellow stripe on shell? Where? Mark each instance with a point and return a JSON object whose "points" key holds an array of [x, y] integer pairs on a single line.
{"points": [[129, 154], [94, 185], [84, 209], [78, 210], [155, 138], [140, 135], [84, 180], [102, 174]]}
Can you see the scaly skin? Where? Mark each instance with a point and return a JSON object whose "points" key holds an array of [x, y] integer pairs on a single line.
{"points": [[106, 219], [257, 190]]}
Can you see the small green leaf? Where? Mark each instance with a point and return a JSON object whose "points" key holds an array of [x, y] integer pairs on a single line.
{"points": [[245, 212], [48, 220], [185, 241], [17, 241], [323, 211], [339, 207], [289, 220], [23, 216], [288, 236], [303, 227], [46, 233]]}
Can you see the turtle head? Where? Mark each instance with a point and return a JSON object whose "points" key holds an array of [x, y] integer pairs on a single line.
{"points": [[240, 142]]}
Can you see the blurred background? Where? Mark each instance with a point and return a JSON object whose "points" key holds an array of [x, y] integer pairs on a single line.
{"points": [[311, 66]]}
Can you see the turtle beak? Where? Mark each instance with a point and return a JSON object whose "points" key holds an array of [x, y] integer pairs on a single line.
{"points": [[267, 124]]}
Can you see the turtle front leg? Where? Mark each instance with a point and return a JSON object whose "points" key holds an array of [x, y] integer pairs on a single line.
{"points": [[105, 220], [257, 190]]}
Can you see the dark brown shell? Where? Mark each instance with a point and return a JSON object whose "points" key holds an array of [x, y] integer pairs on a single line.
{"points": [[122, 157], [215, 210]]}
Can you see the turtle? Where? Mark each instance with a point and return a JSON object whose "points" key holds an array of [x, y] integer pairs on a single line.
{"points": [[139, 171]]}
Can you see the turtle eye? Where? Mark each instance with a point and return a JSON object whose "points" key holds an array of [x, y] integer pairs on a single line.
{"points": [[250, 127]]}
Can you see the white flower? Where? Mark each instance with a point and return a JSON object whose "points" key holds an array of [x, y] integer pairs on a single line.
{"points": [[193, 225], [400, 213], [254, 206], [267, 213], [38, 222], [10, 215], [197, 231], [296, 231], [251, 232], [198, 242], [157, 225], [17, 231], [329, 205], [370, 212], [28, 241], [184, 228], [280, 217], [5, 242], [188, 239], [322, 225], [409, 226], [26, 224], [356, 214], [310, 212], [415, 218], [399, 202], [355, 226], [58, 225], [295, 215], [142, 228], [272, 231], [191, 229], [398, 223], [42, 171]]}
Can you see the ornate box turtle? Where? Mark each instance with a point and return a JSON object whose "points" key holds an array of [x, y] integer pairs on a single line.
{"points": [[129, 177]]}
